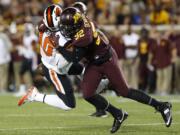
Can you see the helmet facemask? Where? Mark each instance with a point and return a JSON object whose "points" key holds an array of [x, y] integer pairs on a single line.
{"points": [[70, 22]]}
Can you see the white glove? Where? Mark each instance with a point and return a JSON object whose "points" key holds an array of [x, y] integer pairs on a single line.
{"points": [[150, 67]]}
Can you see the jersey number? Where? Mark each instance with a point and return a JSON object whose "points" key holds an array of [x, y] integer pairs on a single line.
{"points": [[79, 34], [47, 47]]}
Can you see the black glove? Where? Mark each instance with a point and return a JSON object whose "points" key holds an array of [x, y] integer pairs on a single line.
{"points": [[75, 69], [73, 56]]}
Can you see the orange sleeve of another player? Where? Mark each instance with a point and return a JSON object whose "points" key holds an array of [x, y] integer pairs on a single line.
{"points": [[40, 38]]}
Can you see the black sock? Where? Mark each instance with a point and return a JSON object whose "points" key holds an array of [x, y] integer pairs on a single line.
{"points": [[156, 104], [102, 104], [44, 97], [98, 101], [115, 112], [142, 97]]}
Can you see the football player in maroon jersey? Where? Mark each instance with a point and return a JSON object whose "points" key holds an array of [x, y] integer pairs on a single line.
{"points": [[102, 61], [99, 112]]}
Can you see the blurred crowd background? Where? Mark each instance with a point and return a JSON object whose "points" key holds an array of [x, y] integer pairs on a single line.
{"points": [[144, 33]]}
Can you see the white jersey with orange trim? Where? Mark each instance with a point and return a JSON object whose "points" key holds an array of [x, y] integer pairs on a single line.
{"points": [[50, 57]]}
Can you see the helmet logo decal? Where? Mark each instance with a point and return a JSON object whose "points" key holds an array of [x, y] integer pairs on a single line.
{"points": [[49, 18], [76, 17], [58, 12]]}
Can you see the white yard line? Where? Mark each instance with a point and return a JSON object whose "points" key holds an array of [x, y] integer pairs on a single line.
{"points": [[129, 101], [149, 124], [65, 114], [43, 115], [78, 127]]}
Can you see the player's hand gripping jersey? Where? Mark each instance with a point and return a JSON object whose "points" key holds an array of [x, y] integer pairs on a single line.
{"points": [[50, 57]]}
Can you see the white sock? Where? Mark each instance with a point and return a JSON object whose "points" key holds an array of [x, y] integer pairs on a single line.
{"points": [[39, 97], [52, 100]]}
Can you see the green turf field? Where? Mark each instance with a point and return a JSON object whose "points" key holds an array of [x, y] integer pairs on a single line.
{"points": [[40, 119]]}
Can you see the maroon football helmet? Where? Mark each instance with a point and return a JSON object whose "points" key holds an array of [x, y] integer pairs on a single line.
{"points": [[71, 22], [81, 6]]}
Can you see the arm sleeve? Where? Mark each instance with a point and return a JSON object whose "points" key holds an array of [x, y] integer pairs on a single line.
{"points": [[40, 37]]}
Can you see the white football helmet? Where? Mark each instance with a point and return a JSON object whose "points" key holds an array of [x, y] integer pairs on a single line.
{"points": [[52, 17]]}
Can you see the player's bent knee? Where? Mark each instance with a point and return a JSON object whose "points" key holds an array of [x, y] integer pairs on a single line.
{"points": [[71, 104], [68, 100], [68, 109], [122, 91]]}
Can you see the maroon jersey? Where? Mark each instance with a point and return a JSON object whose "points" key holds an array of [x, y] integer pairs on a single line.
{"points": [[144, 46], [175, 39], [162, 53], [118, 46], [17, 41], [90, 37]]}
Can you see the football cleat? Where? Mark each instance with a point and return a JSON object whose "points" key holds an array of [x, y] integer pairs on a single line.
{"points": [[165, 110], [118, 121], [29, 96], [99, 113]]}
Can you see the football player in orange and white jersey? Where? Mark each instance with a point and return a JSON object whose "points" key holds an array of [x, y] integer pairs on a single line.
{"points": [[55, 66]]}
